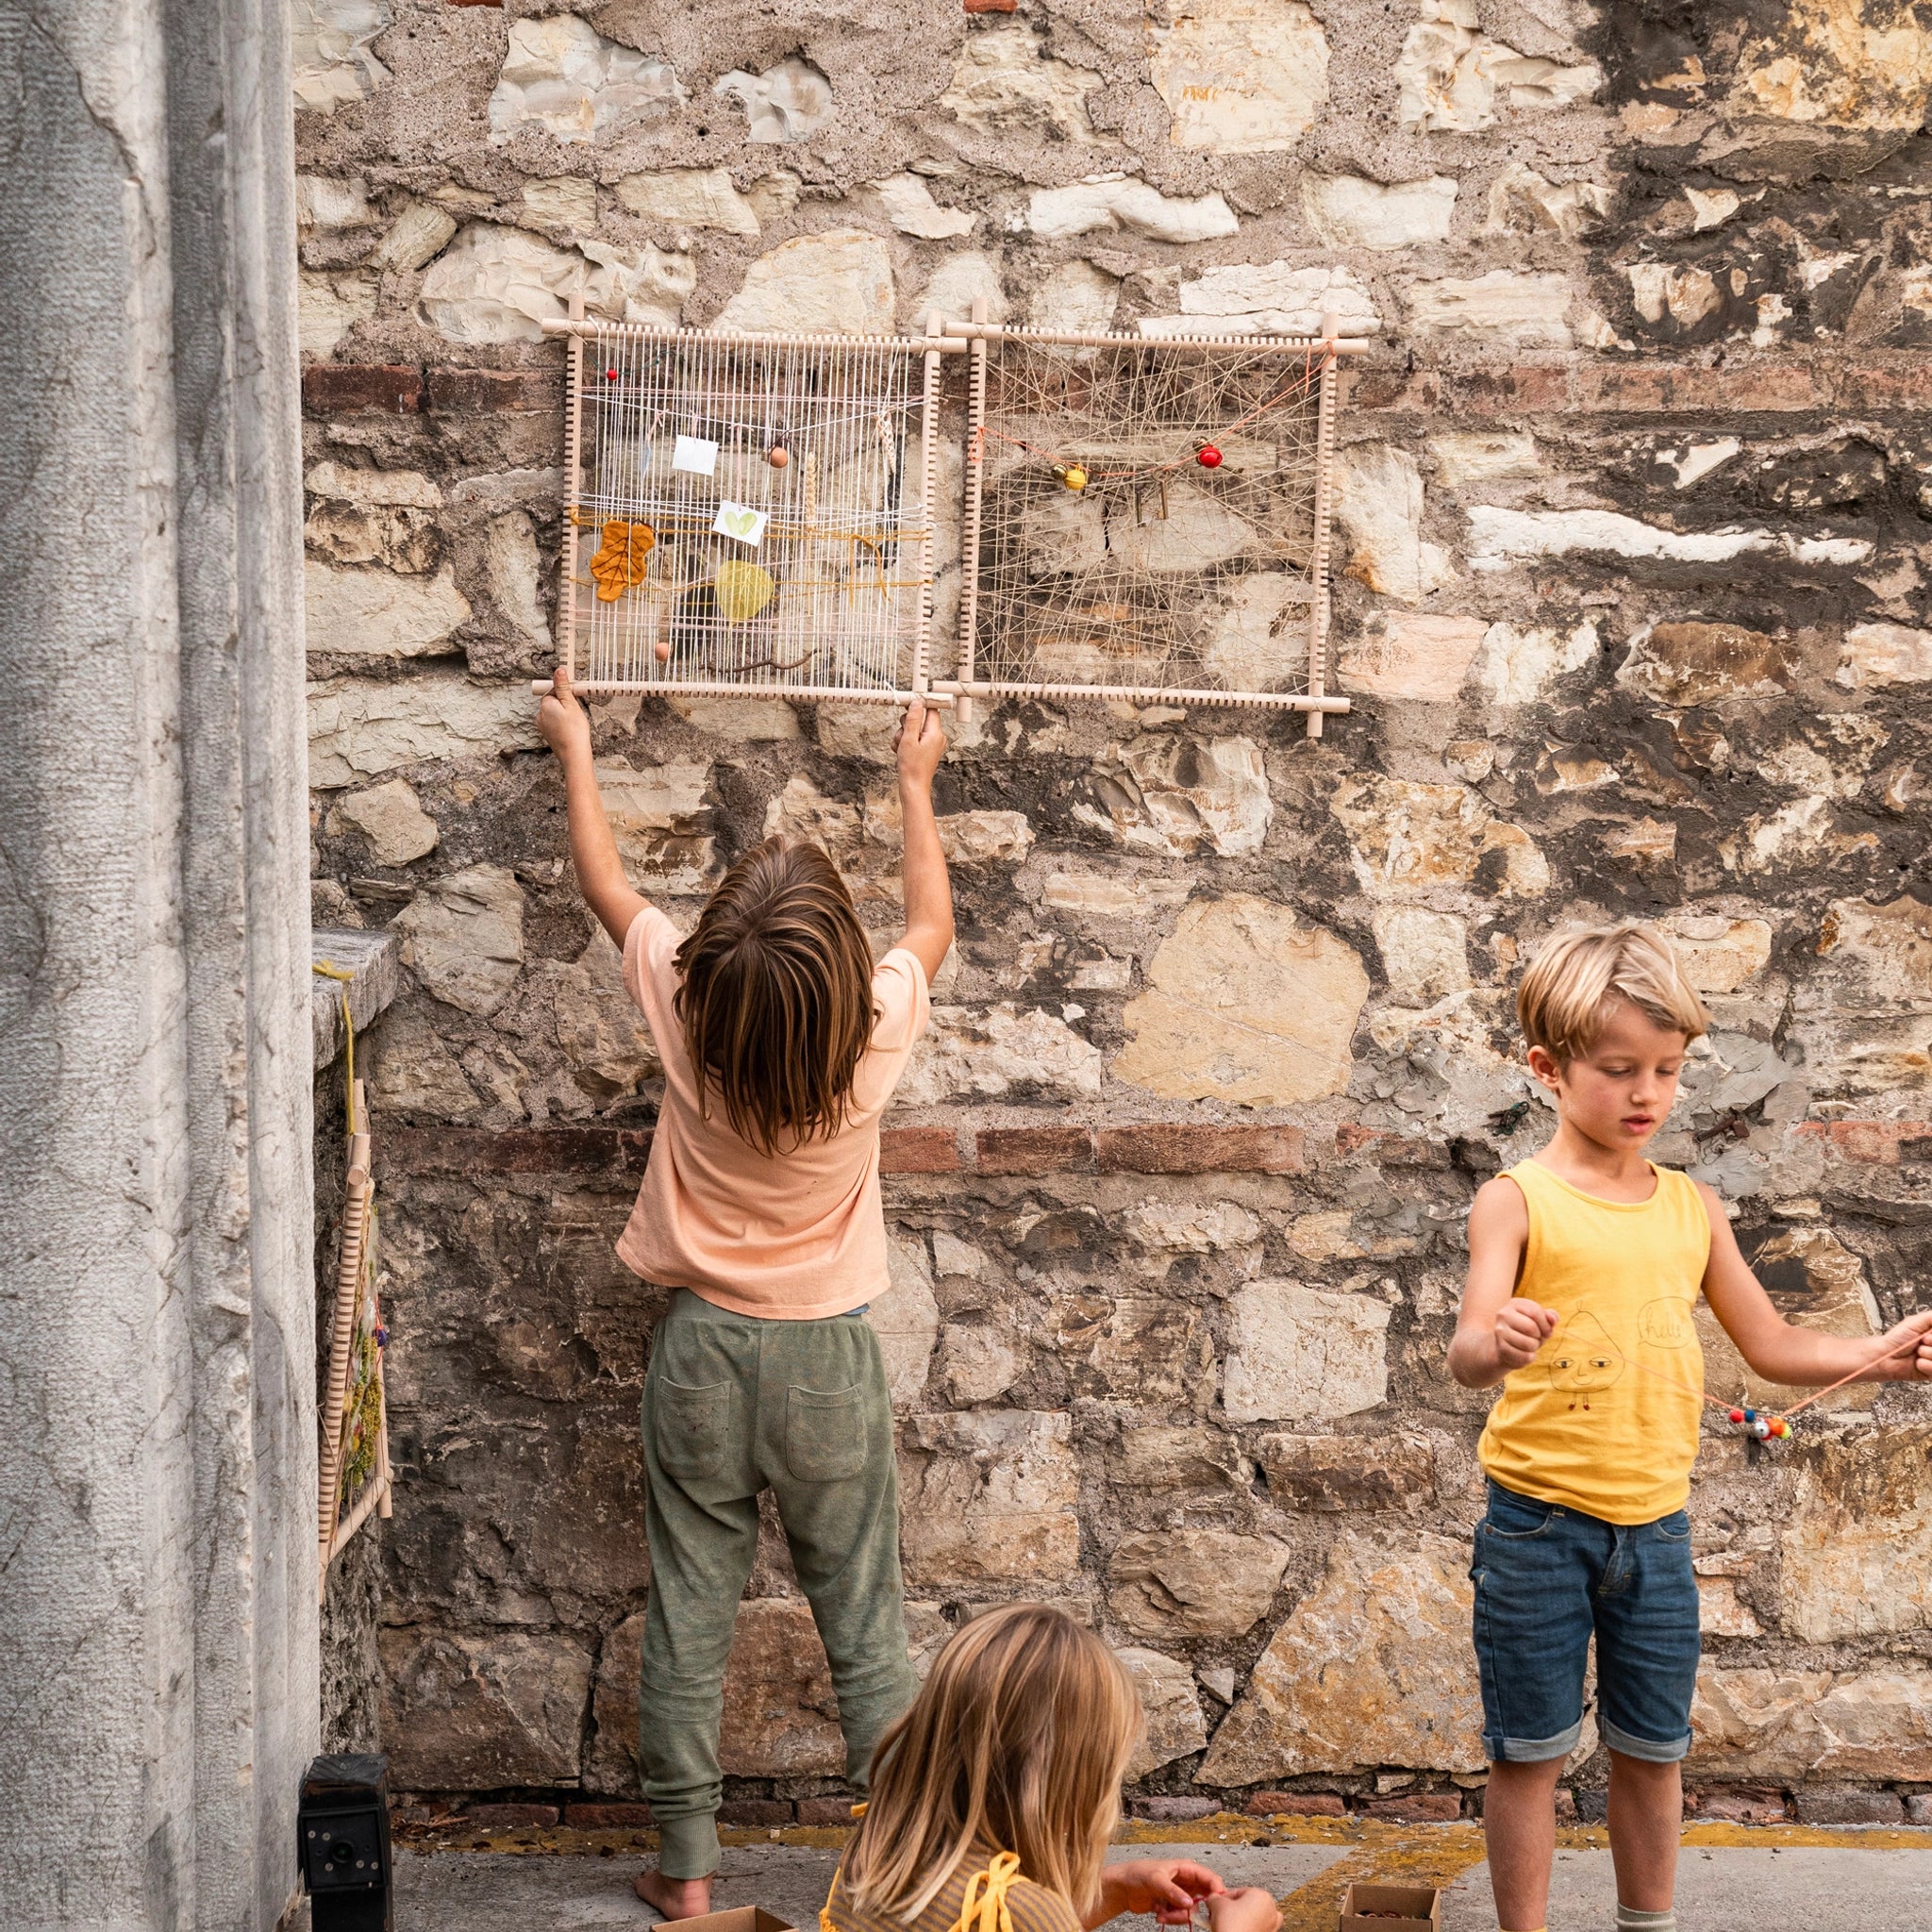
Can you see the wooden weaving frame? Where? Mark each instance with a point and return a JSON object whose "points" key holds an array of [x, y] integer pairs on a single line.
{"points": [[579, 596]]}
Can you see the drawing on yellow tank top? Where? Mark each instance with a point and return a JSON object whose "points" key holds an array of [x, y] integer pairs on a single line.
{"points": [[1666, 1324], [1586, 1362]]}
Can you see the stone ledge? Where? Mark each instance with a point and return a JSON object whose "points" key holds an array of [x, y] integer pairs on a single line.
{"points": [[1158, 1147], [1876, 381], [375, 958], [1179, 1147], [1644, 388]]}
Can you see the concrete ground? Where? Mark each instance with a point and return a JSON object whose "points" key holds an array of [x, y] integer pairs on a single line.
{"points": [[1730, 1879]]}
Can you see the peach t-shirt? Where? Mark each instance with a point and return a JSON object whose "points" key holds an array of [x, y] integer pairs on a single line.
{"points": [[791, 1236]]}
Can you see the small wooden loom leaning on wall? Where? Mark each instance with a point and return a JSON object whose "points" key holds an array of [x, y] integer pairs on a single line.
{"points": [[353, 1475], [1142, 519]]}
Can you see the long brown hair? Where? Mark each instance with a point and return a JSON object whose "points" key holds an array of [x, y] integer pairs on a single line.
{"points": [[1019, 1735], [775, 993]]}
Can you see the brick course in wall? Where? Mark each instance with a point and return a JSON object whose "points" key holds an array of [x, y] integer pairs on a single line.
{"points": [[1634, 541]]}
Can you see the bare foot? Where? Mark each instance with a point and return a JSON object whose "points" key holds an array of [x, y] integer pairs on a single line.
{"points": [[673, 1898]]}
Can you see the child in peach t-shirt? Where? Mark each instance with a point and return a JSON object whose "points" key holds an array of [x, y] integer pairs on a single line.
{"points": [[782, 1042]]}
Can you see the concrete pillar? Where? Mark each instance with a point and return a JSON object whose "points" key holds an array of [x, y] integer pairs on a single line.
{"points": [[156, 1310]]}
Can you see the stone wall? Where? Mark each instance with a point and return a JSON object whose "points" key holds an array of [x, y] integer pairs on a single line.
{"points": [[1634, 501]]}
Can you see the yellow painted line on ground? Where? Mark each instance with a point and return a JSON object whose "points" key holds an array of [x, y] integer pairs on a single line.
{"points": [[1376, 1849]]}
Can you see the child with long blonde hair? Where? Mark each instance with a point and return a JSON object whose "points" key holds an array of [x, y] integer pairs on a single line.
{"points": [[993, 1798]]}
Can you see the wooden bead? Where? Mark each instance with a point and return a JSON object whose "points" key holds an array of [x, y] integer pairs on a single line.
{"points": [[779, 457], [1209, 456], [661, 650]]}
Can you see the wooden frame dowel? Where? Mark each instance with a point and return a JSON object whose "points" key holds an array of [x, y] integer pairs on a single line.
{"points": [[753, 339], [1320, 606]]}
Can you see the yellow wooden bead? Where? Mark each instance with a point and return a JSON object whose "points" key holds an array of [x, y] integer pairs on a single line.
{"points": [[1074, 478]]}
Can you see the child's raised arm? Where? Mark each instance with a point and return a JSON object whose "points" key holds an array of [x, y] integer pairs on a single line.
{"points": [[1801, 1358], [565, 727], [1496, 1329], [928, 890]]}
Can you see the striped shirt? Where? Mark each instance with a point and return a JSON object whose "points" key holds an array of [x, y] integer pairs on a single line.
{"points": [[1034, 1908]]}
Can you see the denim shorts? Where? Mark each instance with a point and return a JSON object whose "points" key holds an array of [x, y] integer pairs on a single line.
{"points": [[1546, 1578]]}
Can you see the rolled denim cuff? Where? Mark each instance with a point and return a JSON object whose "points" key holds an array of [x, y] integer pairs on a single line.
{"points": [[1652, 1749], [1533, 1750]]}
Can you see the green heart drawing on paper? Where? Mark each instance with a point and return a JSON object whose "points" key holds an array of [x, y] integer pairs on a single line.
{"points": [[742, 523]]}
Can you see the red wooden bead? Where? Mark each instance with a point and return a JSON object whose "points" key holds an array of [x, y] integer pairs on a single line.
{"points": [[611, 376], [1737, 1415], [1209, 456]]}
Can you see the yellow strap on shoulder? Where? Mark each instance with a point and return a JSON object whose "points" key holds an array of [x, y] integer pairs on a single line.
{"points": [[984, 1908]]}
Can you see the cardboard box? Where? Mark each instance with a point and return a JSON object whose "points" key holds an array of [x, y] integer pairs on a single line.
{"points": [[1420, 1904], [741, 1919]]}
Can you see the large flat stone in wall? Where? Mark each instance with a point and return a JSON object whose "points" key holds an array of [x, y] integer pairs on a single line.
{"points": [[1345, 211], [463, 936], [1297, 1353], [1193, 1582], [493, 285], [1857, 1542], [377, 614], [1406, 836], [1184, 797], [1245, 1004], [1267, 298], [1379, 510], [1789, 1723], [359, 729], [1240, 76], [1372, 1669], [560, 74], [1007, 83], [989, 1497], [1174, 1727], [331, 55], [1122, 200], [1004, 1052], [840, 282], [479, 1712]]}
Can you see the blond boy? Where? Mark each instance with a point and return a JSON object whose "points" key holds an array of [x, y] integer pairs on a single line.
{"points": [[1585, 1265]]}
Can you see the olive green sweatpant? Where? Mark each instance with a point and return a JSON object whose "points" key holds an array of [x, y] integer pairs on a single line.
{"points": [[734, 1405]]}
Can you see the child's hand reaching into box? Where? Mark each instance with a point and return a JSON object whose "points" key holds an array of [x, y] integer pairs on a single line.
{"points": [[1169, 1888]]}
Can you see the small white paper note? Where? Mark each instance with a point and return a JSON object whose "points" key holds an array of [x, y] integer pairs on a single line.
{"points": [[696, 454], [740, 521]]}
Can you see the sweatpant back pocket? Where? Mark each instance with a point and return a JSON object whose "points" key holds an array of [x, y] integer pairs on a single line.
{"points": [[825, 1433], [690, 1428]]}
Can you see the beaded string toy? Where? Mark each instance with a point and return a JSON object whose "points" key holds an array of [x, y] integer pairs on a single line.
{"points": [[1761, 1427]]}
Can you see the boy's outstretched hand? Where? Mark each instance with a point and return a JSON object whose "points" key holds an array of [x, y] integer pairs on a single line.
{"points": [[921, 744], [1901, 1362], [1521, 1327], [562, 723]]}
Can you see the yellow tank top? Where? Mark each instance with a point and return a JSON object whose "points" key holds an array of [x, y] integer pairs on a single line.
{"points": [[1604, 1420]]}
